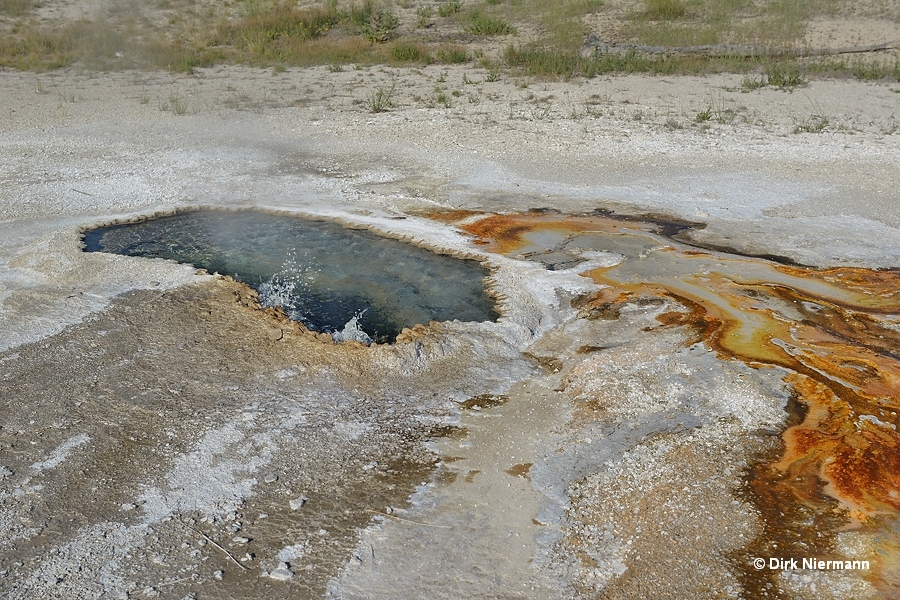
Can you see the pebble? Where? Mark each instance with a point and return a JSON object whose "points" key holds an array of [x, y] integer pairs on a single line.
{"points": [[219, 575], [298, 502], [282, 573], [239, 539], [271, 478]]}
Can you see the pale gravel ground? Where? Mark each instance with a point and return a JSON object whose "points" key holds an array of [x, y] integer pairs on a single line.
{"points": [[81, 149]]}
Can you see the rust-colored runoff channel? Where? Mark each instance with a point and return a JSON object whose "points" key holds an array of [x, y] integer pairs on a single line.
{"points": [[830, 329]]}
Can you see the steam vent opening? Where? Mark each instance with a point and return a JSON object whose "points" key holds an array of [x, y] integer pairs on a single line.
{"points": [[350, 283]]}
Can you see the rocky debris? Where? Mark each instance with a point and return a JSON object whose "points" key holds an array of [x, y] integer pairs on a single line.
{"points": [[282, 573]]}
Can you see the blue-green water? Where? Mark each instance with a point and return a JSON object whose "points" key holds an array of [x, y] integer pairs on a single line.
{"points": [[322, 274]]}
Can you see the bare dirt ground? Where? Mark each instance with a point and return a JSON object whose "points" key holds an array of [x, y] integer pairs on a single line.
{"points": [[160, 436]]}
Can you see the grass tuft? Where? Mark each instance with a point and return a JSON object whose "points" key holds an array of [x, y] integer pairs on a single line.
{"points": [[785, 76], [813, 124], [753, 82], [380, 99], [481, 24], [452, 55], [448, 8]]}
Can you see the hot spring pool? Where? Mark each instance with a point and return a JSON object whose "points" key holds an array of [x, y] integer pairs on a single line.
{"points": [[351, 283]]}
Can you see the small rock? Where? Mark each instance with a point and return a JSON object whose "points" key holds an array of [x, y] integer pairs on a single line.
{"points": [[128, 506], [4, 473], [239, 539], [298, 502], [219, 575], [271, 478], [263, 516], [282, 573]]}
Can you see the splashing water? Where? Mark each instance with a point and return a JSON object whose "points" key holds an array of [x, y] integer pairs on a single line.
{"points": [[288, 288], [352, 331], [351, 283]]}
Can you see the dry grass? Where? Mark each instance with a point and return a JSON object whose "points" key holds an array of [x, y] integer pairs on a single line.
{"points": [[681, 23], [544, 37], [15, 8]]}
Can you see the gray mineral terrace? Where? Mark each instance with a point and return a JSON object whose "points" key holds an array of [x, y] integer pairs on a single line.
{"points": [[667, 395]]}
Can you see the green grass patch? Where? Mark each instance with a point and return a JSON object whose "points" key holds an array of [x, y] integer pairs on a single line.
{"points": [[409, 52], [482, 24], [785, 75], [452, 55], [543, 62], [380, 99], [872, 70], [448, 8], [265, 34], [381, 26]]}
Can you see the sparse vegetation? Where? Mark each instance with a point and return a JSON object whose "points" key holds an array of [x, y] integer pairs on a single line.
{"points": [[380, 26], [785, 76], [482, 24], [541, 112], [452, 55], [813, 124], [15, 8], [282, 34], [175, 104], [409, 52], [448, 8], [443, 99], [380, 99], [423, 16], [753, 82], [664, 10]]}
